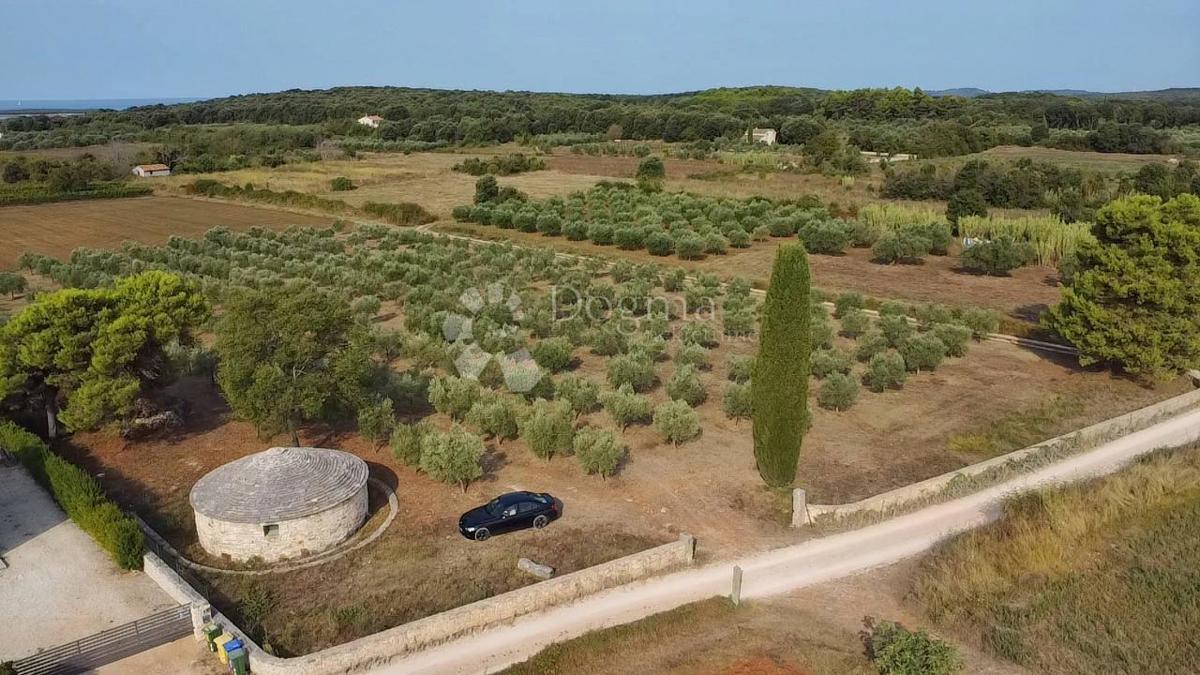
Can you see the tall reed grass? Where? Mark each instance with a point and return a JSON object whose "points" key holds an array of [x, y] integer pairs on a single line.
{"points": [[896, 216], [1052, 239]]}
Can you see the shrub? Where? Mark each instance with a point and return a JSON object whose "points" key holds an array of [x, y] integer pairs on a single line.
{"points": [[885, 371], [553, 354], [939, 236], [600, 233], [904, 246], [715, 244], [923, 352], [579, 392], [692, 355], [697, 333], [740, 368], [864, 235], [855, 322], [633, 370], [341, 184], [846, 302], [897, 651], [738, 323], [739, 239], [599, 450], [576, 230], [452, 456], [660, 243], [674, 280], [547, 427], [896, 329], [997, 257], [821, 334], [826, 362], [79, 495], [893, 308], [980, 321], [453, 396], [525, 220], [486, 190], [549, 224], [932, 314], [626, 406], [609, 340], [871, 343], [689, 246], [677, 422], [954, 337], [629, 238], [830, 237], [652, 347], [968, 202], [375, 421], [406, 442], [837, 392], [494, 417], [737, 401], [685, 386]]}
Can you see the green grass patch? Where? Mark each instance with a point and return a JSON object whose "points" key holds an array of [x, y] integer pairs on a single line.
{"points": [[1019, 428]]}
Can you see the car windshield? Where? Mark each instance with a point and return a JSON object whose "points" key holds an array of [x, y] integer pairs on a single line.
{"points": [[493, 507]]}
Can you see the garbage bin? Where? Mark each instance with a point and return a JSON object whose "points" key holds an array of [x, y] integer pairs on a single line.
{"points": [[239, 661], [220, 644], [230, 646], [211, 631]]}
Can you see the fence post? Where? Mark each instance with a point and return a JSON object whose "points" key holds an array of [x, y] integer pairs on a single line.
{"points": [[799, 508], [736, 594]]}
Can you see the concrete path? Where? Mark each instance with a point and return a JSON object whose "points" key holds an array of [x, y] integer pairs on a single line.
{"points": [[781, 570], [58, 585]]}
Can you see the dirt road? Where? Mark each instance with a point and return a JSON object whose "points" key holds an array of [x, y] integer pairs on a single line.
{"points": [[781, 570]]}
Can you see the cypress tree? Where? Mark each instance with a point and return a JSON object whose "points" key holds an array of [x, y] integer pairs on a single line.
{"points": [[779, 393]]}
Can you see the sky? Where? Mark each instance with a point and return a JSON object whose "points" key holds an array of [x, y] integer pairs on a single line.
{"points": [[78, 49]]}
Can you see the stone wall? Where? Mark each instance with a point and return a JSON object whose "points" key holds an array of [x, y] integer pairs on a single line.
{"points": [[302, 536], [1096, 433], [377, 650]]}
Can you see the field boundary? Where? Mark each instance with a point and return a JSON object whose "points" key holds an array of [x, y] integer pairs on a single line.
{"points": [[380, 648], [1069, 443]]}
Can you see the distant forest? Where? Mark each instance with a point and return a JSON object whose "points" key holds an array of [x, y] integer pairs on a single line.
{"points": [[888, 120]]}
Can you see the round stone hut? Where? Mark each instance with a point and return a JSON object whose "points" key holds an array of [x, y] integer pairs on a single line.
{"points": [[280, 503]]}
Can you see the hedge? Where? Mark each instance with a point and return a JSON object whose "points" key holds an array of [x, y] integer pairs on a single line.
{"points": [[41, 195], [79, 495]]}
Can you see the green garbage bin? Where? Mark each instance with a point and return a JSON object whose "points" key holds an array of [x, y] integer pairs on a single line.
{"points": [[211, 632], [239, 661]]}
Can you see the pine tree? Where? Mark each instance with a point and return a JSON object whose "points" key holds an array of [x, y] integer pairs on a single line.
{"points": [[780, 392], [1133, 303]]}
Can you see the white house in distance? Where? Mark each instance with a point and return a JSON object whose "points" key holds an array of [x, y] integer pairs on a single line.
{"points": [[151, 170], [370, 121], [763, 136]]}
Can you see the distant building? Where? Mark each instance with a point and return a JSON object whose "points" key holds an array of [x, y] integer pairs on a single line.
{"points": [[370, 121], [874, 157], [763, 136], [151, 170]]}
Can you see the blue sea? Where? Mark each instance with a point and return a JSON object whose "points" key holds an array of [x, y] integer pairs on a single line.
{"points": [[10, 107]]}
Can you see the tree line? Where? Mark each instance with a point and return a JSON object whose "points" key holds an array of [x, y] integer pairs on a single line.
{"points": [[880, 119]]}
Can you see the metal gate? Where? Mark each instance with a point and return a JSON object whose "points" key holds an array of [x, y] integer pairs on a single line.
{"points": [[110, 645]]}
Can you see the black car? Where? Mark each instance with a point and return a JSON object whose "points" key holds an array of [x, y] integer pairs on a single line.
{"points": [[512, 511]]}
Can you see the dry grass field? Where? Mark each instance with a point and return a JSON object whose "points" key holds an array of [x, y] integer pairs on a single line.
{"points": [[814, 631], [1106, 162], [58, 229]]}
